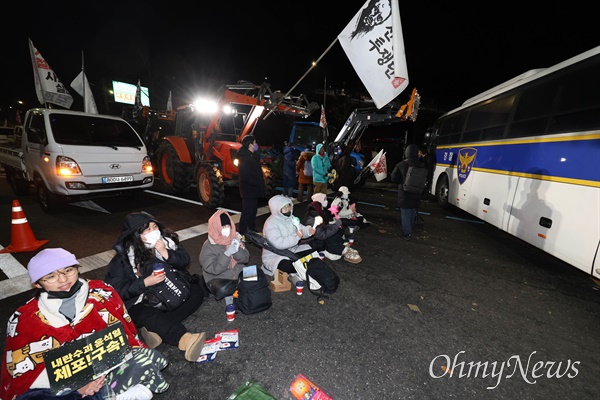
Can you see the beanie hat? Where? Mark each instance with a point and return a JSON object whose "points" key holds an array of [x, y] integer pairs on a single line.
{"points": [[344, 190], [48, 261], [320, 197], [225, 219], [247, 140]]}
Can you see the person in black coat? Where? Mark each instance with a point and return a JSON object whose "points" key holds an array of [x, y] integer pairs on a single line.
{"points": [[144, 240], [251, 183], [407, 202]]}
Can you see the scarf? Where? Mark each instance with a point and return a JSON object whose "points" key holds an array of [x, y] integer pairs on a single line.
{"points": [[214, 232]]}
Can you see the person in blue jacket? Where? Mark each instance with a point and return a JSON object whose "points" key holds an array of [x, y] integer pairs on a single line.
{"points": [[321, 166]]}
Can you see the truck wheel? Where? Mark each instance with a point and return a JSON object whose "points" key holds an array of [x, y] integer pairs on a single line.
{"points": [[210, 185], [270, 184], [19, 186], [175, 174], [442, 189], [48, 201]]}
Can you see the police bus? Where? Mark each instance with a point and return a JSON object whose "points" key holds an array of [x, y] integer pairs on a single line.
{"points": [[524, 156]]}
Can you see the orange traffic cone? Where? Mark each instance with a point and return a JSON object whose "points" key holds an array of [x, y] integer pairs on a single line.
{"points": [[21, 236]]}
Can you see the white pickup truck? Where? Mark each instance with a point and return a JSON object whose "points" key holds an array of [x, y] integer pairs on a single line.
{"points": [[71, 156]]}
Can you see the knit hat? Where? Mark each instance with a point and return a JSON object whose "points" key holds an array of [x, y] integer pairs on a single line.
{"points": [[48, 261], [135, 221], [320, 197], [225, 219], [344, 190], [247, 140]]}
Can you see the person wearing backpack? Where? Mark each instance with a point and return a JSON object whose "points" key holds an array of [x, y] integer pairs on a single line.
{"points": [[407, 201], [304, 172]]}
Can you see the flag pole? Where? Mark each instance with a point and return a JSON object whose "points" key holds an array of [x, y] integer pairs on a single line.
{"points": [[313, 65], [83, 81]]}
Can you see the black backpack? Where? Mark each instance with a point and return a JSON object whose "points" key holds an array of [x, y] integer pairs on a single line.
{"points": [[416, 179], [253, 296], [322, 272]]}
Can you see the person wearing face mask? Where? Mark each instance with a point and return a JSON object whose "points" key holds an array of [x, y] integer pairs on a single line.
{"points": [[143, 240], [328, 237], [284, 231], [251, 183], [351, 219], [222, 257], [66, 307]]}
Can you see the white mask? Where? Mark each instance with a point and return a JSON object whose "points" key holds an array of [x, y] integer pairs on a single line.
{"points": [[324, 204], [225, 232], [255, 146], [151, 238]]}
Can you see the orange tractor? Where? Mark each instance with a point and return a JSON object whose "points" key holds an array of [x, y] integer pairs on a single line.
{"points": [[201, 149]]}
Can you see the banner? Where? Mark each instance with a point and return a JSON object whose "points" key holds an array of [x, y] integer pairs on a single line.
{"points": [[323, 121], [379, 166], [374, 45], [48, 87], [89, 104], [170, 102]]}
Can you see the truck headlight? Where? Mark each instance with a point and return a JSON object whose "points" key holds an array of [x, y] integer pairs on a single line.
{"points": [[66, 166], [147, 165]]}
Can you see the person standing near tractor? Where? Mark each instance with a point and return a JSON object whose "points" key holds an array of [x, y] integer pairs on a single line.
{"points": [[251, 183], [304, 172], [321, 166]]}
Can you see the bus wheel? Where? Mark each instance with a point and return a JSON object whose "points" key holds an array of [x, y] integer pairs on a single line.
{"points": [[441, 191]]}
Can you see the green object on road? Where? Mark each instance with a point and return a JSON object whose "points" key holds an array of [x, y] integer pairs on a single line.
{"points": [[250, 391]]}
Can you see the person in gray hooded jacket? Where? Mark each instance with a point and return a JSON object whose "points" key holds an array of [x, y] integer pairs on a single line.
{"points": [[284, 231]]}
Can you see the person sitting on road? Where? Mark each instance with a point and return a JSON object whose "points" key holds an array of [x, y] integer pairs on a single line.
{"points": [[284, 231], [223, 256], [143, 238], [346, 211], [328, 236], [64, 308]]}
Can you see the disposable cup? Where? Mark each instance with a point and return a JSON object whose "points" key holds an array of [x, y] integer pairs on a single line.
{"points": [[299, 288], [230, 313]]}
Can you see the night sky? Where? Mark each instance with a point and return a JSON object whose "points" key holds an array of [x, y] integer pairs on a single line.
{"points": [[453, 51]]}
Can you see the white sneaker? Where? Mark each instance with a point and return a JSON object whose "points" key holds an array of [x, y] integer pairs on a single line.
{"points": [[332, 257], [136, 392], [352, 256]]}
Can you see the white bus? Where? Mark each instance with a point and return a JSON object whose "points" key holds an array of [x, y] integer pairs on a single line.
{"points": [[524, 156]]}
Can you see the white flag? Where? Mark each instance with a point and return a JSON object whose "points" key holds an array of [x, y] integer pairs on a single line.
{"points": [[48, 87], [89, 104], [169, 102], [379, 166], [323, 121], [374, 44]]}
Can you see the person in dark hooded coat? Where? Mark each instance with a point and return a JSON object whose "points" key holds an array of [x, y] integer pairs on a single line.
{"points": [[407, 202], [251, 183], [142, 240]]}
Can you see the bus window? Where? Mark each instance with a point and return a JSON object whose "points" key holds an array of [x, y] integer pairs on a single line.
{"points": [[490, 114]]}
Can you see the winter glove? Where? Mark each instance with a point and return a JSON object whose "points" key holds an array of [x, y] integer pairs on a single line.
{"points": [[232, 248]]}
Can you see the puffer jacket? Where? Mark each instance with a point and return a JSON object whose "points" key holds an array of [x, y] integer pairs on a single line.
{"points": [[411, 157], [305, 156], [280, 231], [321, 166]]}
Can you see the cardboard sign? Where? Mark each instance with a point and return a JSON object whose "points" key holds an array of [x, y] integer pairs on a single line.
{"points": [[77, 363]]}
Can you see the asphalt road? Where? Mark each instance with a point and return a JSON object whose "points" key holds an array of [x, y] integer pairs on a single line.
{"points": [[462, 311]]}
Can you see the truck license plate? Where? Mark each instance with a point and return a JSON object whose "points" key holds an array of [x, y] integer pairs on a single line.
{"points": [[117, 179]]}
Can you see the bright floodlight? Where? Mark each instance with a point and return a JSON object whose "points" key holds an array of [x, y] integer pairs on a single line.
{"points": [[205, 106]]}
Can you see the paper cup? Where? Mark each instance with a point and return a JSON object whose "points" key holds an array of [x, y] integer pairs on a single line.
{"points": [[230, 313], [299, 288]]}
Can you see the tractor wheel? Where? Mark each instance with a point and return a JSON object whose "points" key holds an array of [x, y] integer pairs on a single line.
{"points": [[18, 184], [270, 184], [175, 174], [210, 185], [442, 191]]}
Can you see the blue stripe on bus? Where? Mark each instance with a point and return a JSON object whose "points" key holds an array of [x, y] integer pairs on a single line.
{"points": [[578, 159]]}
